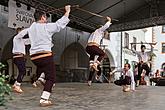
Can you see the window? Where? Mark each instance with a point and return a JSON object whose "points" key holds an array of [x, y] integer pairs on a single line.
{"points": [[126, 40], [133, 64], [4, 9], [134, 41], [163, 47], [126, 61], [163, 29]]}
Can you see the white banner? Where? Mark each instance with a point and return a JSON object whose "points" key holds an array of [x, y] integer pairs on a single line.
{"points": [[19, 16]]}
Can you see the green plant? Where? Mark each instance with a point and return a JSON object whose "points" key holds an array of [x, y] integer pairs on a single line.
{"points": [[5, 89]]}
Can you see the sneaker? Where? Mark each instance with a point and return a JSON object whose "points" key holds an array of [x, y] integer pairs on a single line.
{"points": [[95, 67], [34, 85], [40, 83], [97, 77], [91, 69], [54, 85], [17, 89], [90, 66], [89, 83], [126, 88], [44, 103], [91, 63]]}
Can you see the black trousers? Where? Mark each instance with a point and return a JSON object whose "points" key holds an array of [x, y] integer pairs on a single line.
{"points": [[20, 63], [93, 51], [46, 65], [140, 69], [123, 81]]}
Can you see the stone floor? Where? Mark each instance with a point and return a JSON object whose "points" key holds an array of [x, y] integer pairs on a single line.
{"points": [[79, 96]]}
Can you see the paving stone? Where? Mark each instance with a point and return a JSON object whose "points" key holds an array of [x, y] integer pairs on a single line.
{"points": [[79, 96]]}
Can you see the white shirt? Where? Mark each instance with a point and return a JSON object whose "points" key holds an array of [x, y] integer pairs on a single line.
{"points": [[40, 34], [27, 41], [18, 46], [143, 56], [130, 74], [98, 34]]}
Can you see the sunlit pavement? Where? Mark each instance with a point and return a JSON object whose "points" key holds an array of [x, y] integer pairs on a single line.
{"points": [[99, 96]]}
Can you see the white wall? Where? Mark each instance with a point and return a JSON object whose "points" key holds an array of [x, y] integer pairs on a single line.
{"points": [[160, 38], [128, 53], [140, 37], [114, 47]]}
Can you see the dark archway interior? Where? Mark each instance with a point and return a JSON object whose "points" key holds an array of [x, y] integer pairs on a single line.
{"points": [[74, 64]]}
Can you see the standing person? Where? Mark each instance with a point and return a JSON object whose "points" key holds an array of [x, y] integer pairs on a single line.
{"points": [[19, 60], [40, 34], [157, 74], [135, 73], [94, 50], [143, 64], [155, 79]]}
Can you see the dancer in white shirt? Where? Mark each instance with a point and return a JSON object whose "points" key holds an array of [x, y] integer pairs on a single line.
{"points": [[127, 79], [93, 48], [40, 34], [144, 61], [19, 60]]}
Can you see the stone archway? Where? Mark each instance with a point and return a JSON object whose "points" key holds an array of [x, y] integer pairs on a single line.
{"points": [[7, 51], [74, 64], [108, 65], [111, 59]]}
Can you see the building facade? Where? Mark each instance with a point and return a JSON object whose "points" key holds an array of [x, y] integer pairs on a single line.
{"points": [[121, 45], [158, 36]]}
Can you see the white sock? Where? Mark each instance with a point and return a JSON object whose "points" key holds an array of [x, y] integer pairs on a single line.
{"points": [[45, 95], [41, 79], [91, 61], [95, 59], [98, 62], [42, 75], [17, 83]]}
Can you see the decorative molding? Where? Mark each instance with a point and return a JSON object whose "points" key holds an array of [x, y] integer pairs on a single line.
{"points": [[154, 21]]}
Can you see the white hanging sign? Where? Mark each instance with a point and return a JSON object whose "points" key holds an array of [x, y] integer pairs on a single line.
{"points": [[19, 16]]}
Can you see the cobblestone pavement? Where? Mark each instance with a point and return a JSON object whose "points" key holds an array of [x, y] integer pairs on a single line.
{"points": [[79, 96]]}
